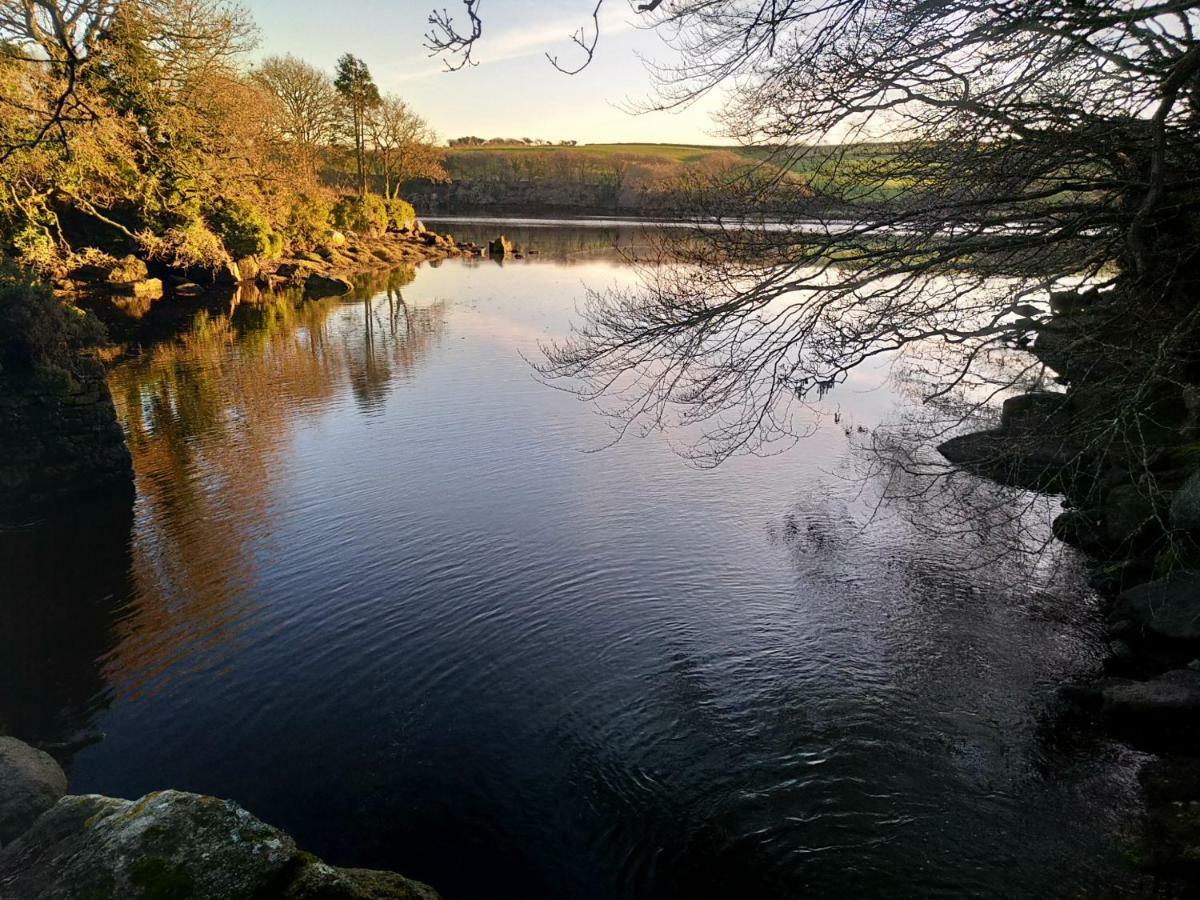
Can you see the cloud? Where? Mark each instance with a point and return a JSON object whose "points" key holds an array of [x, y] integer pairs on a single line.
{"points": [[519, 41]]}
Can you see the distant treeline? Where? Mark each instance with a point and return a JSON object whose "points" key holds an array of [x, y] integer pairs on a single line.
{"points": [[594, 178], [497, 175]]}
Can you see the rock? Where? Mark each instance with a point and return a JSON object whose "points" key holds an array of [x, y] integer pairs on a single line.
{"points": [[1121, 651], [30, 783], [147, 288], [336, 239], [128, 270], [1030, 411], [327, 286], [1170, 699], [293, 270], [500, 247], [316, 880], [1167, 608], [165, 845], [188, 289], [227, 273], [1032, 462], [1185, 505]]}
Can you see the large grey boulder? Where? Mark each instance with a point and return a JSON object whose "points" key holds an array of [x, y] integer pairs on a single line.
{"points": [[176, 846], [1166, 608], [165, 845], [1185, 505], [30, 783]]}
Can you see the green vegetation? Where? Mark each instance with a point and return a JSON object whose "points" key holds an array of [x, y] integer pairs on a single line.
{"points": [[148, 132]]}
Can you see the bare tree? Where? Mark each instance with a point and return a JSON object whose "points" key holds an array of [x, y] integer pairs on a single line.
{"points": [[1038, 189], [308, 102], [404, 145], [58, 37]]}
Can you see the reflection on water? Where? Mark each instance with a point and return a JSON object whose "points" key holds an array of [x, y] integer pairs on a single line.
{"points": [[374, 588]]}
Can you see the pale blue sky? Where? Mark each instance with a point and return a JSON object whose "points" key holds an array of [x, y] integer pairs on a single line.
{"points": [[513, 92]]}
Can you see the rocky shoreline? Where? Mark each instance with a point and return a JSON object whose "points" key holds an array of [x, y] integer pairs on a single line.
{"points": [[1121, 443], [168, 845]]}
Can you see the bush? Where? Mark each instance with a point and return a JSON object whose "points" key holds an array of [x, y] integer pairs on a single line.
{"points": [[308, 220], [364, 215], [186, 247], [37, 330], [243, 229], [400, 213]]}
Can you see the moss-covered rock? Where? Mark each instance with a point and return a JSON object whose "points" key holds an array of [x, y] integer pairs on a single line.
{"points": [[165, 845], [30, 783]]}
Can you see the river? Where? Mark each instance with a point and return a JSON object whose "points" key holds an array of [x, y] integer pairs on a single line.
{"points": [[393, 594]]}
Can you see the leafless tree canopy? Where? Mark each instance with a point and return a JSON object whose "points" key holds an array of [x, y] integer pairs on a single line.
{"points": [[1033, 145]]}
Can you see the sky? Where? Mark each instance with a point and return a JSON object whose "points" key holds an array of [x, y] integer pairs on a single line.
{"points": [[513, 91]]}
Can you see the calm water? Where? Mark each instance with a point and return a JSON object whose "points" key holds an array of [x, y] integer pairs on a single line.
{"points": [[375, 588]]}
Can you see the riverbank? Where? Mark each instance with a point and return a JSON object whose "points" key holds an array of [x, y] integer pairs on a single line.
{"points": [[1121, 443], [60, 434]]}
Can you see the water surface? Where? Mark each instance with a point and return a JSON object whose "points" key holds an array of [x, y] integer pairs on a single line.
{"points": [[378, 587]]}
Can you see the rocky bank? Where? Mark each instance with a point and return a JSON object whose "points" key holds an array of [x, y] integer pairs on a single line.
{"points": [[1121, 443]]}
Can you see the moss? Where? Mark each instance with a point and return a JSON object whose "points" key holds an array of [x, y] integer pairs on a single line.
{"points": [[158, 879]]}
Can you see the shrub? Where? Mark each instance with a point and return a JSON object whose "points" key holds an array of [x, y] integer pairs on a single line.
{"points": [[308, 220], [243, 229], [186, 247], [400, 213], [34, 247], [37, 330], [365, 215]]}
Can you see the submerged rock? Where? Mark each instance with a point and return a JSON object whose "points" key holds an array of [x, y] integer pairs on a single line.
{"points": [[1167, 608], [30, 783], [327, 286]]}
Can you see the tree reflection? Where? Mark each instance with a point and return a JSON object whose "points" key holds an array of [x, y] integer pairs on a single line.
{"points": [[211, 418]]}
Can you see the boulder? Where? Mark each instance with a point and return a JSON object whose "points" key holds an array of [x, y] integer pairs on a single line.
{"points": [[1030, 411], [336, 239], [128, 270], [1028, 461], [30, 783], [1171, 700], [1166, 608], [500, 247], [165, 845], [316, 880], [327, 286], [147, 288], [1185, 505]]}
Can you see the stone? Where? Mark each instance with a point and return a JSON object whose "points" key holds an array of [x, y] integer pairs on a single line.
{"points": [[1166, 608], [1035, 463], [188, 289], [30, 783], [1030, 411], [128, 270], [336, 239], [147, 288], [500, 247], [316, 880], [1185, 505], [327, 286], [1171, 696], [166, 845]]}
